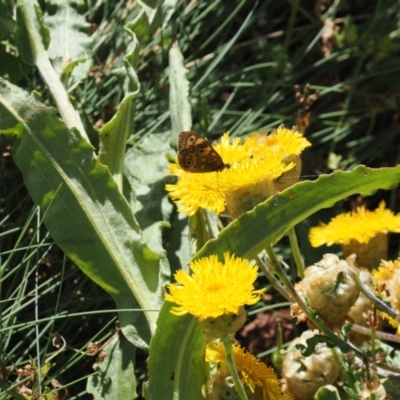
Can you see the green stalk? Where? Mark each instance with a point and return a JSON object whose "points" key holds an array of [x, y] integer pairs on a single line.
{"points": [[271, 278], [296, 252], [378, 303], [232, 368]]}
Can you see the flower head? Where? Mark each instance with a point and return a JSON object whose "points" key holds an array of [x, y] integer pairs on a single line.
{"points": [[214, 289], [253, 373], [254, 164], [360, 225], [361, 232], [388, 283]]}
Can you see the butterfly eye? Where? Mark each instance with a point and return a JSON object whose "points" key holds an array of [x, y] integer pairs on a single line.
{"points": [[188, 163]]}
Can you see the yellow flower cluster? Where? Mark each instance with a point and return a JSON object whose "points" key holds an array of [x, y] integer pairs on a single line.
{"points": [[254, 163], [254, 374], [360, 225]]}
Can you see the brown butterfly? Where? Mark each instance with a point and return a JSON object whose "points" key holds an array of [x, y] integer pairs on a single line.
{"points": [[195, 154]]}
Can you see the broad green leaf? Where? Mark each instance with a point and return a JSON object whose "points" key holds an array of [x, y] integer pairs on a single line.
{"points": [[69, 40], [176, 364], [267, 222], [146, 165], [85, 213], [31, 28], [180, 109], [179, 247], [115, 374]]}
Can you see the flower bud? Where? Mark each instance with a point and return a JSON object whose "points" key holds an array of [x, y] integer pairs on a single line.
{"points": [[224, 325], [329, 289], [303, 376]]}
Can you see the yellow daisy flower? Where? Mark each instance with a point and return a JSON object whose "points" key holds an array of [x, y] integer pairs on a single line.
{"points": [[362, 232], [388, 283], [214, 288], [361, 225], [254, 164], [253, 373]]}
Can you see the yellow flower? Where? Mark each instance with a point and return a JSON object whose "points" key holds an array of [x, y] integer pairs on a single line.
{"points": [[253, 373], [254, 165], [388, 285], [360, 225], [214, 289]]}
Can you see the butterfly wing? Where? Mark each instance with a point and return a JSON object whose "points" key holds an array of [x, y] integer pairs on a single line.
{"points": [[195, 154]]}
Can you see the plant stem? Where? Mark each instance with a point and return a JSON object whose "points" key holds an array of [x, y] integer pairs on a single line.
{"points": [[373, 345], [41, 59], [378, 303], [296, 252], [271, 278], [232, 368], [378, 334]]}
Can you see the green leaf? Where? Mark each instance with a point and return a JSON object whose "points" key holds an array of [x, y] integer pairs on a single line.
{"points": [[131, 60], [32, 35], [180, 109], [85, 213], [312, 342], [6, 21], [267, 222], [145, 167], [115, 377], [328, 392], [33, 39], [114, 133], [153, 14], [70, 44], [392, 385], [176, 364], [113, 137]]}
